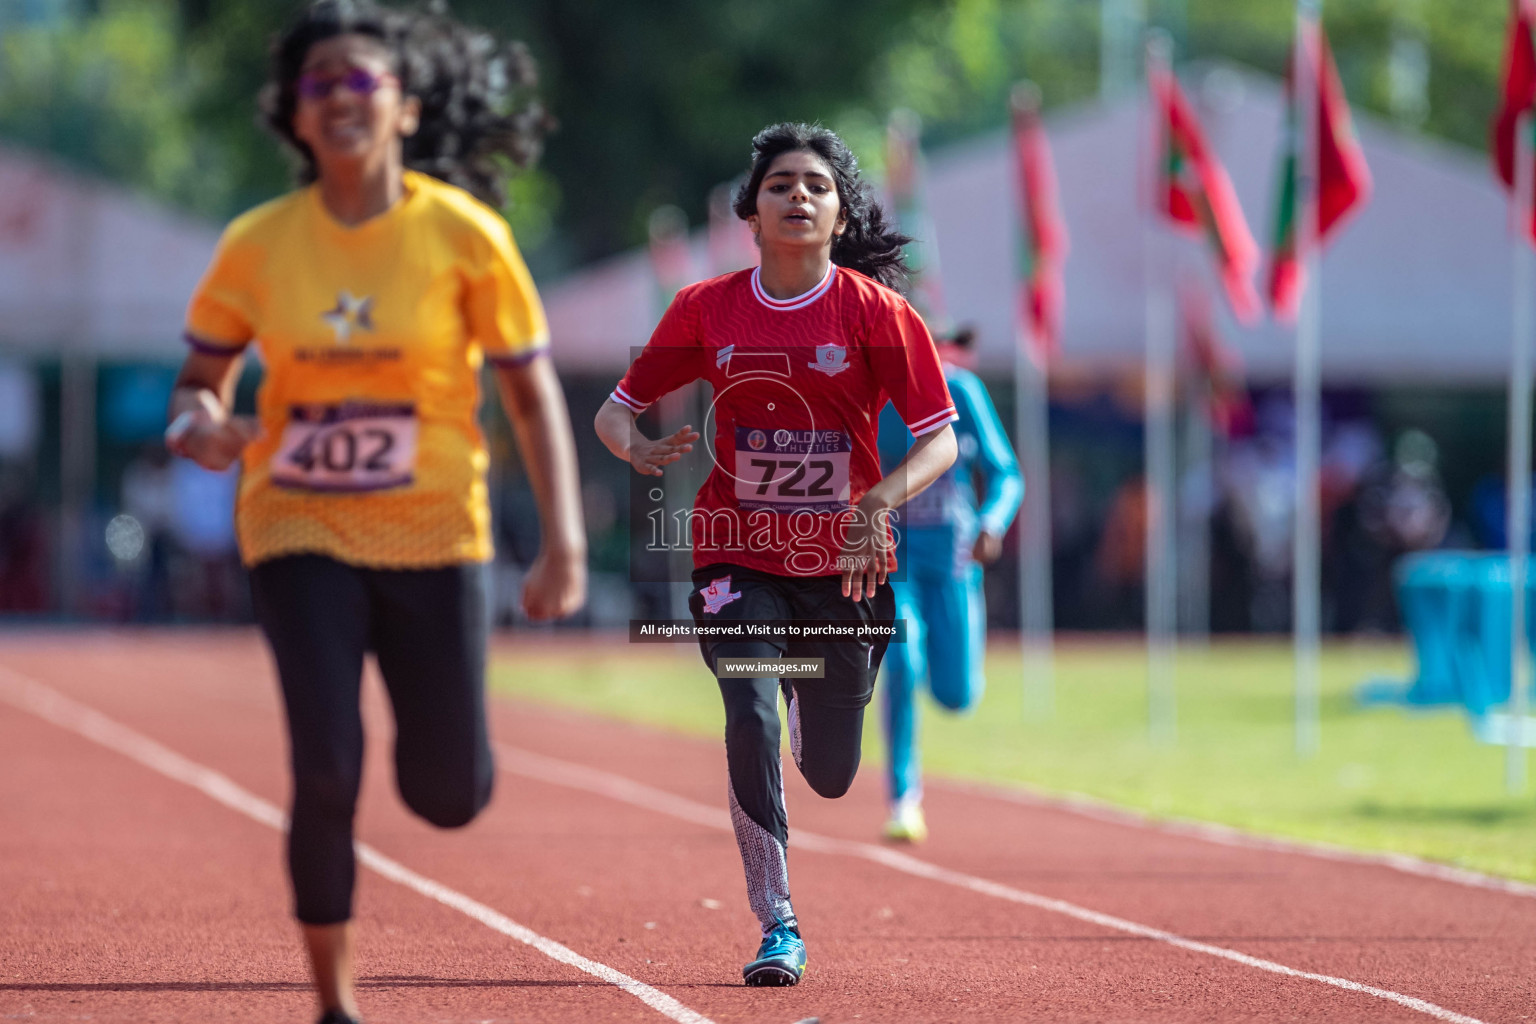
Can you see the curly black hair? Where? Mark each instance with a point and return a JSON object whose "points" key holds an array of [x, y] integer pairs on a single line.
{"points": [[868, 244], [478, 110]]}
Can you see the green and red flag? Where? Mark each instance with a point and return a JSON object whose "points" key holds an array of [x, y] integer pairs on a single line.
{"points": [[904, 182], [1194, 192], [1042, 234], [1216, 370], [1519, 95], [1343, 179]]}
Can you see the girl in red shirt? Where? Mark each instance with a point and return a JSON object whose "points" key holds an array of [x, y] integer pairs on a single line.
{"points": [[792, 526]]}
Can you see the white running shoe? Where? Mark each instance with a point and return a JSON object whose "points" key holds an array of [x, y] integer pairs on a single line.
{"points": [[907, 824]]}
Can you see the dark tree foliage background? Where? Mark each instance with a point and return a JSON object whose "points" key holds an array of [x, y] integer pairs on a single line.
{"points": [[658, 99]]}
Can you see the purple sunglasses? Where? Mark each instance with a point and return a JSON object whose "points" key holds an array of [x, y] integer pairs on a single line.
{"points": [[358, 81]]}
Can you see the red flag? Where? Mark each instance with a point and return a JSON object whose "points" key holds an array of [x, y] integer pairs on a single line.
{"points": [[1194, 192], [1519, 93], [1343, 179], [1042, 245], [1217, 369]]}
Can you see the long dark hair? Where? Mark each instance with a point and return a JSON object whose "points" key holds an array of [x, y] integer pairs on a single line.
{"points": [[868, 244], [478, 111]]}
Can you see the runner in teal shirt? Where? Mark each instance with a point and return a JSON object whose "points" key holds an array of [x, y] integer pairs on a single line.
{"points": [[946, 535]]}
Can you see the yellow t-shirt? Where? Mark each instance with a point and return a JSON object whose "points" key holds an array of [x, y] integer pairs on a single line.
{"points": [[372, 338]]}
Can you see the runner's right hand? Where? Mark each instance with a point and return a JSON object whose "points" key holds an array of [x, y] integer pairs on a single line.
{"points": [[869, 552], [556, 585], [649, 456], [209, 435]]}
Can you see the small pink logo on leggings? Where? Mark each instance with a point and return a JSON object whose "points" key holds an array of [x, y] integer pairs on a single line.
{"points": [[718, 594]]}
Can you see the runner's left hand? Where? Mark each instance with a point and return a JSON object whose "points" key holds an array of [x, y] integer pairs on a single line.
{"points": [[868, 556], [988, 548], [556, 585]]}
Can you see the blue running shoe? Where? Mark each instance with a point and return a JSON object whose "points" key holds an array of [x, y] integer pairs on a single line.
{"points": [[780, 959]]}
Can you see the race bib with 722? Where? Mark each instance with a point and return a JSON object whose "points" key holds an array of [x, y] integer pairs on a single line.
{"points": [[792, 470], [356, 446]]}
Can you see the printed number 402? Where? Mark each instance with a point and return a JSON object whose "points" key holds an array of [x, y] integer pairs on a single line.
{"points": [[339, 450], [789, 486]]}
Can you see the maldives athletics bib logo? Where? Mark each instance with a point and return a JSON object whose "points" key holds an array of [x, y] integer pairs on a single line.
{"points": [[718, 594], [830, 359]]}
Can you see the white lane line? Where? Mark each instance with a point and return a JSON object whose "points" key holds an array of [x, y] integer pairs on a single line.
{"points": [[617, 787], [1227, 835], [52, 706]]}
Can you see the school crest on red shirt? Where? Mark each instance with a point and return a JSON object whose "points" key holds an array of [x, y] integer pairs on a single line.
{"points": [[830, 359], [718, 594]]}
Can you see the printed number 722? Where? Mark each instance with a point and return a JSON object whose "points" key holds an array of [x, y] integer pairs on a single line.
{"points": [[788, 485]]}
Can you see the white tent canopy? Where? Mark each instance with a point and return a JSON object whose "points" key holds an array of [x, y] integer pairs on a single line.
{"points": [[88, 267], [1415, 288]]}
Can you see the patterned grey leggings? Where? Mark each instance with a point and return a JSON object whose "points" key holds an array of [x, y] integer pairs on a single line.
{"points": [[825, 743], [826, 715]]}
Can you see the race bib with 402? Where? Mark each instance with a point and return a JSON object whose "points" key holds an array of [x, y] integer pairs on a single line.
{"points": [[356, 446], [792, 470]]}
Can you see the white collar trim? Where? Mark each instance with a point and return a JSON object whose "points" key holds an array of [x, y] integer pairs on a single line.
{"points": [[797, 302]]}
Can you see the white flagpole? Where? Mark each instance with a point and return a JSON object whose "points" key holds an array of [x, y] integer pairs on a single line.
{"points": [[1519, 513], [1032, 423], [1161, 592], [1032, 430], [1305, 553], [1195, 523]]}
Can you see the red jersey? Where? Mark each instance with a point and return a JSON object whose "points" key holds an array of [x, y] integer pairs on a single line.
{"points": [[798, 388]]}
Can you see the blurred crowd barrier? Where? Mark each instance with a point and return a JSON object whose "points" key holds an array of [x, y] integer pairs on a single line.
{"points": [[155, 540]]}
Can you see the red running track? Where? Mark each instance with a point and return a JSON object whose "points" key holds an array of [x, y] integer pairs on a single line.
{"points": [[131, 895]]}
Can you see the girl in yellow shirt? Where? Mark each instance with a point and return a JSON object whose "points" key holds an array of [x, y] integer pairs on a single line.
{"points": [[374, 294]]}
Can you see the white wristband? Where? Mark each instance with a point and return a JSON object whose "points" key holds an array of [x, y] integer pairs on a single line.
{"points": [[179, 428]]}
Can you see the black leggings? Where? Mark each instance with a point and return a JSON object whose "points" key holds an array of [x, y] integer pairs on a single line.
{"points": [[826, 716], [428, 629]]}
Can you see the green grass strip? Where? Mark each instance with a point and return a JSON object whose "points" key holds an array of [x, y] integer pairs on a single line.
{"points": [[1386, 779]]}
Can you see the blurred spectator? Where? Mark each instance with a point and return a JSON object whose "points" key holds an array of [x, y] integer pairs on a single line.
{"points": [[1490, 512], [1074, 522], [1120, 562], [1258, 487], [1416, 513], [23, 543], [1232, 568], [147, 495], [1357, 569], [209, 580], [1398, 506], [608, 542]]}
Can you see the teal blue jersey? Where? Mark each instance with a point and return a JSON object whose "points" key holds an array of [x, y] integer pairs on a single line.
{"points": [[939, 526]]}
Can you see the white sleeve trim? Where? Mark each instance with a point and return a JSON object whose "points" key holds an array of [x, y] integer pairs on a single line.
{"points": [[934, 422], [622, 397]]}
